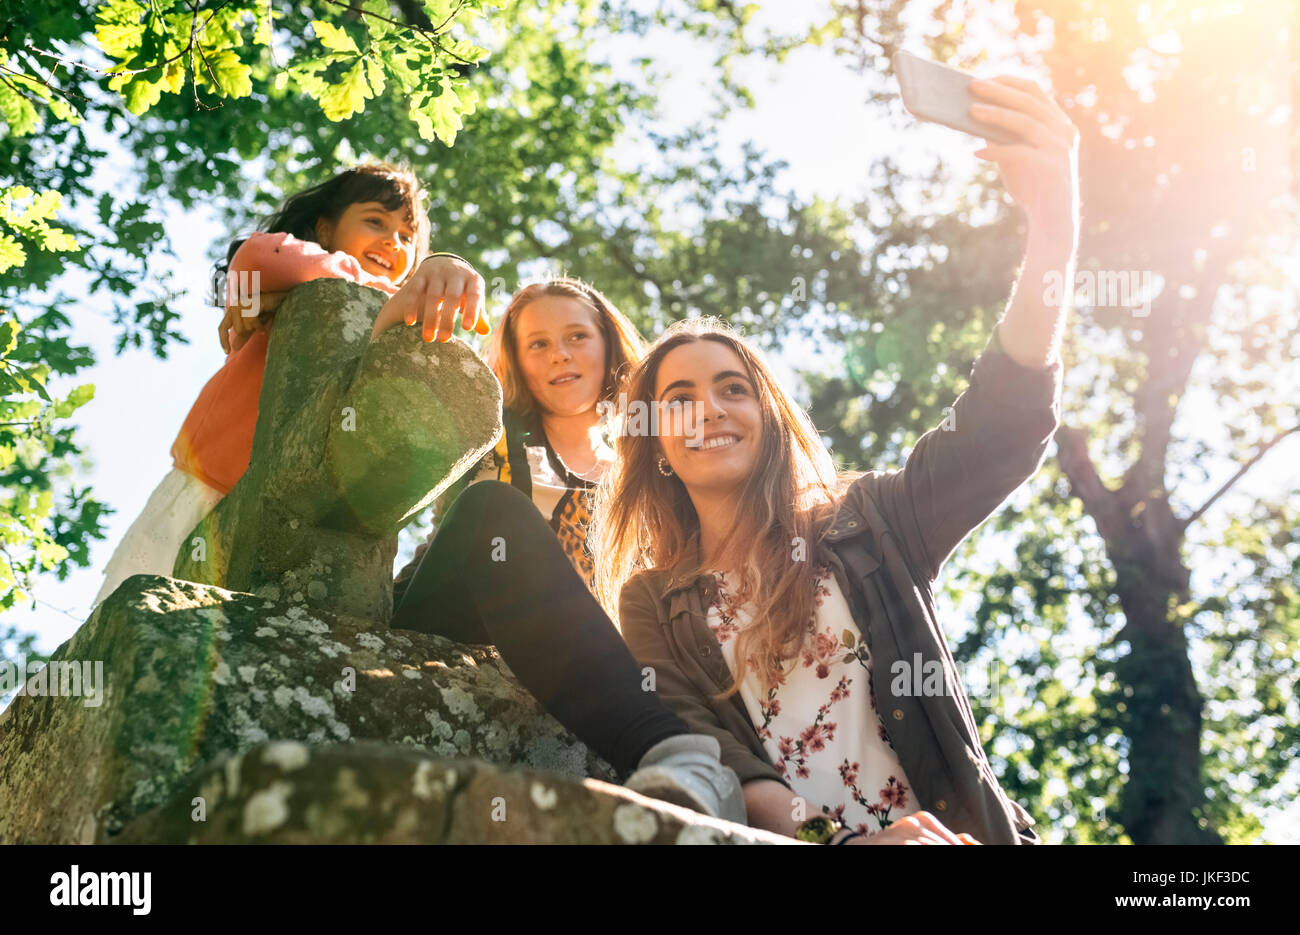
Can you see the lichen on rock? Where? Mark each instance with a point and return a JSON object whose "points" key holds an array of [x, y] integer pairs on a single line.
{"points": [[371, 793]]}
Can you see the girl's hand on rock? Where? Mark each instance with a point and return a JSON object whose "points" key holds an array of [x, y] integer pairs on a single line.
{"points": [[436, 293], [237, 327]]}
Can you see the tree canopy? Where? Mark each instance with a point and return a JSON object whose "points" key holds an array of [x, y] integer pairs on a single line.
{"points": [[1123, 699]]}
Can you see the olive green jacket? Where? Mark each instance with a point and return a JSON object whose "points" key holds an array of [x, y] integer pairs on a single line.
{"points": [[891, 535]]}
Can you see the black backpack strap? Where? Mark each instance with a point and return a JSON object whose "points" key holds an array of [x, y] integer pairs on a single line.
{"points": [[517, 433]]}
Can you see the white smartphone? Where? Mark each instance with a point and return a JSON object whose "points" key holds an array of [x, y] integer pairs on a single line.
{"points": [[941, 94]]}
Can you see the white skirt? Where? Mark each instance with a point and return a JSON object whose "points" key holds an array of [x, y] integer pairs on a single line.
{"points": [[150, 545]]}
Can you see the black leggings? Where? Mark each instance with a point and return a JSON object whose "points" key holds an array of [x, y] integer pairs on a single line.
{"points": [[495, 573]]}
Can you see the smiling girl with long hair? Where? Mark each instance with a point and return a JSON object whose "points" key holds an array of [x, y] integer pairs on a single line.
{"points": [[775, 598]]}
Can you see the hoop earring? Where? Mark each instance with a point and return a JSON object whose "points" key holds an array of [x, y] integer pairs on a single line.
{"points": [[663, 462]]}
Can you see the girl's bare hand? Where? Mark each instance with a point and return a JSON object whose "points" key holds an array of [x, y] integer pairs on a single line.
{"points": [[1040, 170], [250, 314], [921, 828], [436, 293]]}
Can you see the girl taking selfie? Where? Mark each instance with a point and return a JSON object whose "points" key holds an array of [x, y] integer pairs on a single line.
{"points": [[789, 611]]}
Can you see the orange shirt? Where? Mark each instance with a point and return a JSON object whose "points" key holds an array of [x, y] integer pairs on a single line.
{"points": [[216, 439]]}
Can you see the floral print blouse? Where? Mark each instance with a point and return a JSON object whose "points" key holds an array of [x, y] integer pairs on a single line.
{"points": [[819, 724]]}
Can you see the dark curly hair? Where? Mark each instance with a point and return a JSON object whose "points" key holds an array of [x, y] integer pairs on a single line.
{"points": [[392, 186]]}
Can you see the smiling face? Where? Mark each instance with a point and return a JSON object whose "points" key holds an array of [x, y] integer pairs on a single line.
{"points": [[713, 442], [562, 354], [380, 240]]}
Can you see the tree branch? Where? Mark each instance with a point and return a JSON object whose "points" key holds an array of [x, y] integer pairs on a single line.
{"points": [[1172, 340], [1236, 477], [1100, 502]]}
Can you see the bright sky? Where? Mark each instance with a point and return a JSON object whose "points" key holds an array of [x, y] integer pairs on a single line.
{"points": [[812, 117]]}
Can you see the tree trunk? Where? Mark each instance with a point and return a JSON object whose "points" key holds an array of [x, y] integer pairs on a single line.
{"points": [[1162, 800], [1159, 703]]}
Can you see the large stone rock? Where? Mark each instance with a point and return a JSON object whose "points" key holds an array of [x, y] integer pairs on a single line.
{"points": [[194, 672], [367, 793], [353, 439]]}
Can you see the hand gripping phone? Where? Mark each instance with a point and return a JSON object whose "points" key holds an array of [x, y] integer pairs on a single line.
{"points": [[942, 95]]}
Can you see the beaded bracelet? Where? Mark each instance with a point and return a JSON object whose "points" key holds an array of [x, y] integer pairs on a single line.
{"points": [[452, 255]]}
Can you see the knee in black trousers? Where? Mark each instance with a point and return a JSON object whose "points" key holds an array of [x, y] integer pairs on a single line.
{"points": [[495, 573]]}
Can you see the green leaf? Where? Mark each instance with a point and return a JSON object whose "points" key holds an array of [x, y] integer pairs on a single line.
{"points": [[403, 68], [375, 73], [58, 241], [234, 78], [348, 96], [17, 111], [153, 39], [307, 76], [118, 28], [31, 380], [43, 207], [63, 110], [262, 32], [11, 253], [10, 195], [50, 553], [376, 9], [334, 37], [468, 98], [438, 10], [141, 95], [174, 76], [438, 115], [8, 336], [74, 401]]}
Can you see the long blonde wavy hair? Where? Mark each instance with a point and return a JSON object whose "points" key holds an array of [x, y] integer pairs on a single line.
{"points": [[646, 521]]}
